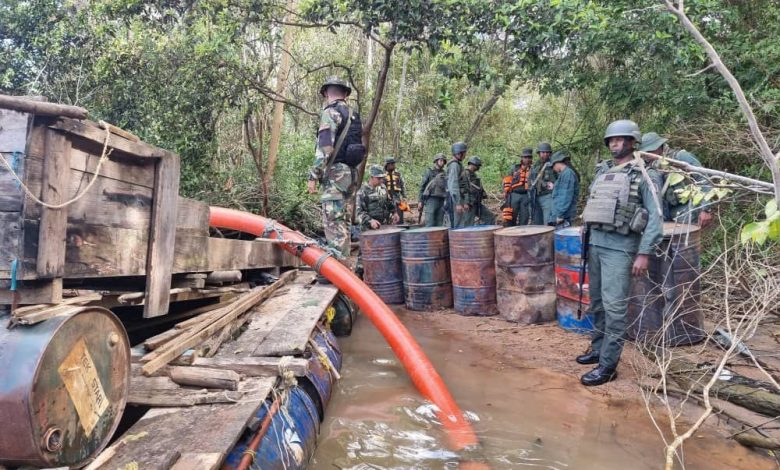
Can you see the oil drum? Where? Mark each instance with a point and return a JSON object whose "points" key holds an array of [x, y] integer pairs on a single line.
{"points": [[380, 251], [525, 274], [667, 299], [568, 262], [64, 388], [426, 266], [472, 261]]}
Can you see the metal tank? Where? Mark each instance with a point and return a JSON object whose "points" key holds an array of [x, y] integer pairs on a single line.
{"points": [[381, 254], [64, 387], [568, 259], [473, 266], [670, 294], [525, 274], [426, 267]]}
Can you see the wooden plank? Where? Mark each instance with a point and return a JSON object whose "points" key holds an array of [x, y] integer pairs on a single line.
{"points": [[54, 190], [205, 377], [158, 340], [14, 132], [226, 254], [191, 339], [181, 397], [199, 461], [27, 105], [255, 366], [10, 238], [305, 305], [211, 429], [34, 292], [93, 132], [162, 236], [85, 156]]}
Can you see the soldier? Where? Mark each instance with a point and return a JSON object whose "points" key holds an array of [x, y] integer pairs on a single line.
{"points": [[543, 178], [433, 192], [395, 187], [624, 226], [339, 151], [457, 207], [473, 195], [519, 180], [565, 193], [674, 210], [373, 206]]}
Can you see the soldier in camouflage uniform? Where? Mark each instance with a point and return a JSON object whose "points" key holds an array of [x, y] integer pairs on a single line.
{"points": [[624, 227], [395, 186], [373, 206], [473, 195], [674, 210], [544, 177], [337, 181], [457, 206], [433, 192]]}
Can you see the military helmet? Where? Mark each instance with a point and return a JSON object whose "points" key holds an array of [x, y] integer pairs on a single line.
{"points": [[476, 161], [544, 147], [651, 141], [527, 152], [389, 160], [558, 157], [622, 128], [459, 147], [335, 81], [376, 170], [439, 156]]}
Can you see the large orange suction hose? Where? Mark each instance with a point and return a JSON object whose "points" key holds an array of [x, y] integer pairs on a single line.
{"points": [[419, 368]]}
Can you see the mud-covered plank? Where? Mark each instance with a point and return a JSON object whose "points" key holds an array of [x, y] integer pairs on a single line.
{"points": [[210, 429], [255, 366], [33, 292], [226, 254], [54, 191], [304, 305]]}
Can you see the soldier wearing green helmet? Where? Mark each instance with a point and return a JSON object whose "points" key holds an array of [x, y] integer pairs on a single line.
{"points": [[623, 226], [543, 181], [433, 192], [674, 210], [457, 205], [473, 195]]}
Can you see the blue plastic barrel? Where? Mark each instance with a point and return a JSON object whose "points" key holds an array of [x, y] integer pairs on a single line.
{"points": [[290, 440], [567, 316], [568, 247]]}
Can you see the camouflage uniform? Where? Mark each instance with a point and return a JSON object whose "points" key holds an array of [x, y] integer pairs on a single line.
{"points": [[373, 203], [433, 192], [337, 183], [543, 206], [473, 195]]}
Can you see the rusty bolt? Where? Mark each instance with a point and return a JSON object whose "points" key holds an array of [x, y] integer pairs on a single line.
{"points": [[52, 439], [113, 339]]}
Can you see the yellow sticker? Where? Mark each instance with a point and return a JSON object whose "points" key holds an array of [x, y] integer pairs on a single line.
{"points": [[83, 385]]}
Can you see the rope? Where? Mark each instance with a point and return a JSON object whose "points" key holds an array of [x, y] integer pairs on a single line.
{"points": [[103, 158]]}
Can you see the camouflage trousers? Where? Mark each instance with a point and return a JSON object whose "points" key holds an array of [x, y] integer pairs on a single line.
{"points": [[338, 187]]}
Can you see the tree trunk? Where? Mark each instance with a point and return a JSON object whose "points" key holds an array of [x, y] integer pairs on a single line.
{"points": [[497, 92], [281, 87], [253, 133], [398, 106]]}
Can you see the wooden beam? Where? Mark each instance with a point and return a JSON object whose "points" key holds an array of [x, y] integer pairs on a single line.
{"points": [[33, 292], [91, 131], [205, 377], [54, 190], [162, 236], [202, 461], [43, 108], [256, 366]]}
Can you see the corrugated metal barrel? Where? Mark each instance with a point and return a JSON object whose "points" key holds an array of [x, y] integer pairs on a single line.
{"points": [[525, 274], [568, 261], [670, 294], [472, 261], [426, 266], [63, 389], [381, 255]]}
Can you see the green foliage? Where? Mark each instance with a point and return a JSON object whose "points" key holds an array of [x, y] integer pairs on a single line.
{"points": [[768, 229]]}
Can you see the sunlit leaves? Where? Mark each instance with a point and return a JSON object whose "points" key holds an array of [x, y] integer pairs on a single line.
{"points": [[768, 229]]}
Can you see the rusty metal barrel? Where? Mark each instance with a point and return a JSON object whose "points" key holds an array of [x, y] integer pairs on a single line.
{"points": [[426, 266], [664, 306], [472, 261], [568, 262], [525, 274], [64, 387], [380, 251]]}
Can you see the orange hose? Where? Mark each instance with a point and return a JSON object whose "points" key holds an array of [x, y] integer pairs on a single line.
{"points": [[430, 384], [254, 444]]}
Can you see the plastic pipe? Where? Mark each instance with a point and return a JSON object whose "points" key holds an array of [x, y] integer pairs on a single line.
{"points": [[429, 383]]}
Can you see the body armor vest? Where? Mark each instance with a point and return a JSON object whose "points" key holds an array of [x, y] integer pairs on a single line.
{"points": [[615, 203], [461, 186], [437, 186]]}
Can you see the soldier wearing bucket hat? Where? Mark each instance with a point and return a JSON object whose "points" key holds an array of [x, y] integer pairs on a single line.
{"points": [[566, 191], [433, 192], [674, 209]]}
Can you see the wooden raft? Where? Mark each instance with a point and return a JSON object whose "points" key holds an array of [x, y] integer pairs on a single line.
{"points": [[199, 436]]}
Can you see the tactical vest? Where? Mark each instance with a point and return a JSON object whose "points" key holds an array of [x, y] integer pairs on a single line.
{"points": [[548, 176], [615, 203], [377, 205], [437, 186], [520, 176], [461, 185], [393, 183], [470, 187]]}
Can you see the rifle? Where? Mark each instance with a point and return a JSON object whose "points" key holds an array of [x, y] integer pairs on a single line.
{"points": [[583, 263], [420, 207], [533, 189]]}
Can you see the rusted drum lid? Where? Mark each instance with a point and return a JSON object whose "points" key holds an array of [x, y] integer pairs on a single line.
{"points": [[413, 231], [477, 228], [80, 386], [525, 231], [381, 231], [674, 228]]}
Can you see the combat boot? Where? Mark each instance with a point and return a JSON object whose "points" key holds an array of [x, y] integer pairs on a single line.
{"points": [[599, 375], [591, 357]]}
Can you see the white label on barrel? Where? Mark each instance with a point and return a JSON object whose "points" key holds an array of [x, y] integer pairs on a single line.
{"points": [[83, 385]]}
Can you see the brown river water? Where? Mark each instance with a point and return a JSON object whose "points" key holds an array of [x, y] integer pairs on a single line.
{"points": [[525, 418]]}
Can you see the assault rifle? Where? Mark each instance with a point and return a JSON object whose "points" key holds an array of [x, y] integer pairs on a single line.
{"points": [[584, 250], [420, 207], [533, 189]]}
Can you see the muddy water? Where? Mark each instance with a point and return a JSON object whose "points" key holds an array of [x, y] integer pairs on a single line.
{"points": [[525, 418]]}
